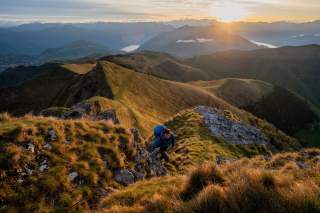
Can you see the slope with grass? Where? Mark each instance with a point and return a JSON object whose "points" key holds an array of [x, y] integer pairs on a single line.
{"points": [[294, 68], [149, 99], [54, 87], [196, 144], [286, 110], [159, 64], [61, 165], [285, 182]]}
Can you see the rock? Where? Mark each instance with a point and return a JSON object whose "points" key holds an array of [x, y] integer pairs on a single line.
{"points": [[73, 176], [91, 112], [144, 160], [47, 146], [137, 175], [124, 177], [72, 114], [224, 160], [29, 171], [52, 135], [43, 166], [31, 147], [66, 142], [301, 165], [107, 191], [231, 130], [108, 115]]}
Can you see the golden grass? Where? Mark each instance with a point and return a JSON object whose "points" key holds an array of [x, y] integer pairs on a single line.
{"points": [[78, 146], [79, 68], [242, 186]]}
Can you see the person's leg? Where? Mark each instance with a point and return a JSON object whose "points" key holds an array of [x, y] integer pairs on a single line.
{"points": [[164, 155]]}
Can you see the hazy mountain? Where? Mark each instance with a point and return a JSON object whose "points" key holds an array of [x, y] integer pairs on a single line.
{"points": [[282, 33], [72, 51], [190, 41], [76, 49], [32, 39]]}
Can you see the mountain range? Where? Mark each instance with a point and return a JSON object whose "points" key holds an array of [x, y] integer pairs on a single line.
{"points": [[77, 118]]}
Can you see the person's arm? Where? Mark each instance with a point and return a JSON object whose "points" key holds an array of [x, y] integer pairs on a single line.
{"points": [[155, 144]]}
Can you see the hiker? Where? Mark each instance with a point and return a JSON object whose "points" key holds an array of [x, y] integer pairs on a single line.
{"points": [[163, 138]]}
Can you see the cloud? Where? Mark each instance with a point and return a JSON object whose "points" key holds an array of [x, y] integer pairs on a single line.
{"points": [[72, 10]]}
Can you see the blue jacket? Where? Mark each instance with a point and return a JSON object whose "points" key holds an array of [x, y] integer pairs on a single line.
{"points": [[159, 142]]}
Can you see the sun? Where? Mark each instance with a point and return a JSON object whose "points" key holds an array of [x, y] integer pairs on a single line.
{"points": [[229, 12]]}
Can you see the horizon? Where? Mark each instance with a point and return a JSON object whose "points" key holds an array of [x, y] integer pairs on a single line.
{"points": [[84, 11]]}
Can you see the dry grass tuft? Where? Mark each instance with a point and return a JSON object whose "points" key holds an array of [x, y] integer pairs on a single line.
{"points": [[5, 117], [248, 185]]}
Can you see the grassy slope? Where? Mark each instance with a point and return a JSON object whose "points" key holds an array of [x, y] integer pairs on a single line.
{"points": [[238, 92], [80, 146], [153, 100], [62, 86], [124, 114], [196, 145], [264, 185], [159, 64], [286, 110], [294, 68], [147, 99]]}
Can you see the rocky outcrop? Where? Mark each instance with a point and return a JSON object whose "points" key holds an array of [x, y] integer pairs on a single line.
{"points": [[91, 112], [144, 160], [124, 176], [230, 130]]}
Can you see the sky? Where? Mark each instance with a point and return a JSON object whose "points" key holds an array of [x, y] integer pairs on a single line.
{"points": [[158, 10]]}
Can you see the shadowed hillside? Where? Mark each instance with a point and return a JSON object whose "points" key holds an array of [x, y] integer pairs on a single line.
{"points": [[57, 87], [294, 68], [159, 64]]}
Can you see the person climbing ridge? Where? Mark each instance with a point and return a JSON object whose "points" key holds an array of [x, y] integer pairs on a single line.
{"points": [[163, 139]]}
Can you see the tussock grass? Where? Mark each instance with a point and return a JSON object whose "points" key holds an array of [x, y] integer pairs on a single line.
{"points": [[247, 185], [38, 154]]}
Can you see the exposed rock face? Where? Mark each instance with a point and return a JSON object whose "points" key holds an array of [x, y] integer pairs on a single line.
{"points": [[145, 165], [124, 176], [108, 115], [144, 160], [91, 112], [230, 130]]}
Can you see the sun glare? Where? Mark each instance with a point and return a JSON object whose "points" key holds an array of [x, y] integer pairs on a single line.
{"points": [[229, 12]]}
